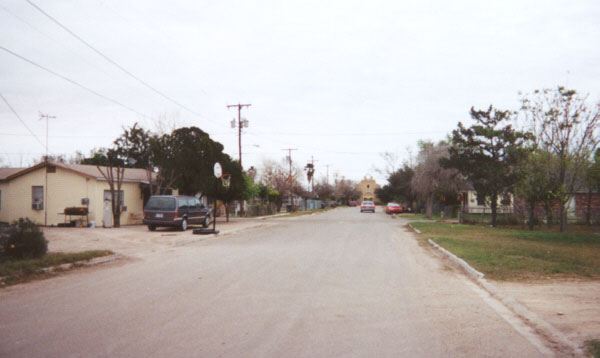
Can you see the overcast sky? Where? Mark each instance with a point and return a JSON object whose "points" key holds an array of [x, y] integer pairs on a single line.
{"points": [[342, 81]]}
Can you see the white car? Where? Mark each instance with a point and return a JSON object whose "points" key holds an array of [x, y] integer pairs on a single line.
{"points": [[367, 206]]}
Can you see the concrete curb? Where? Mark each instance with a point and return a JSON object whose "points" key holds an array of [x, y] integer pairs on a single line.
{"points": [[90, 262], [471, 272], [556, 338]]}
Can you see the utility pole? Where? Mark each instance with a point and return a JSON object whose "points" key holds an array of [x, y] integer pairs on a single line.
{"points": [[327, 165], [240, 124], [290, 175], [310, 168], [46, 117]]}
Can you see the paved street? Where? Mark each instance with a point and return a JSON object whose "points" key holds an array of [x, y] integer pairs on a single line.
{"points": [[336, 284]]}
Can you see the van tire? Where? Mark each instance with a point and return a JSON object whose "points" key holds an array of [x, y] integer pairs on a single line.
{"points": [[151, 227], [183, 226], [206, 221]]}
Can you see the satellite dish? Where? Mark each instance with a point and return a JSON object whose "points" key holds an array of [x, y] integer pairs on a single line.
{"points": [[218, 170]]}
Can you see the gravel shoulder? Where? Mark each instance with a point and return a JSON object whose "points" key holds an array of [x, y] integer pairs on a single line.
{"points": [[137, 240], [573, 307]]}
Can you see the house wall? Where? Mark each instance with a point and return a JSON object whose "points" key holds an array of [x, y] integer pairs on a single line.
{"points": [[581, 202], [65, 189], [470, 204], [574, 209]]}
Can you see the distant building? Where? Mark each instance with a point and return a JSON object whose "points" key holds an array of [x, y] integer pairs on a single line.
{"points": [[367, 187]]}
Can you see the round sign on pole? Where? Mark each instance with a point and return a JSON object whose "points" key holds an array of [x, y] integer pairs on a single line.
{"points": [[218, 170]]}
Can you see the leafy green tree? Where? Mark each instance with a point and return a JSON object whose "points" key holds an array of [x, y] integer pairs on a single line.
{"points": [[539, 183], [487, 154], [565, 126], [237, 189], [398, 188]]}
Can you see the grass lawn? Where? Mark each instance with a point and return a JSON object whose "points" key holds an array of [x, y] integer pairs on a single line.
{"points": [[515, 254], [18, 271]]}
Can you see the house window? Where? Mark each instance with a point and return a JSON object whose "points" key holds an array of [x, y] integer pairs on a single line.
{"points": [[108, 196], [480, 200], [37, 197], [505, 199]]}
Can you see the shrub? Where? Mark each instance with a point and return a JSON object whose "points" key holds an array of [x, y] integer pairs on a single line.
{"points": [[24, 240]]}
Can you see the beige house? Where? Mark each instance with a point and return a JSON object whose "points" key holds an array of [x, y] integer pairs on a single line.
{"points": [[42, 192], [472, 204], [367, 187]]}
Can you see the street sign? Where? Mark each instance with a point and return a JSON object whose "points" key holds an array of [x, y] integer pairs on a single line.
{"points": [[218, 170]]}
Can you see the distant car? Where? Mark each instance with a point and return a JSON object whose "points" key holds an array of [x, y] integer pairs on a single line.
{"points": [[352, 203], [367, 206], [394, 208], [176, 211]]}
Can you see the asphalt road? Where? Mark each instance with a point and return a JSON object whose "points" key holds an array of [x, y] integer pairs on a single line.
{"points": [[338, 284]]}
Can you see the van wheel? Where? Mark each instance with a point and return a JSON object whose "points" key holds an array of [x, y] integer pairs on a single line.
{"points": [[151, 227], [183, 224], [206, 222]]}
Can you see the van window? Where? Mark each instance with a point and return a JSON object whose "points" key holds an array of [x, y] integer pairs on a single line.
{"points": [[161, 203]]}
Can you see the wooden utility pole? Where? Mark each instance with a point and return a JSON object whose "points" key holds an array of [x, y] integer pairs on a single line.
{"points": [[46, 117], [290, 175], [240, 125]]}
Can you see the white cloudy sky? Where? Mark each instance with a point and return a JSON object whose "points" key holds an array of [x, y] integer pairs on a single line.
{"points": [[338, 80]]}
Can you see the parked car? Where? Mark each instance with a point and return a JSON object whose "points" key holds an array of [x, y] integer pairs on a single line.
{"points": [[176, 211], [367, 206], [394, 208], [352, 203]]}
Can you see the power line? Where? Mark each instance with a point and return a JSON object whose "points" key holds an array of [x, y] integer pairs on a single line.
{"points": [[22, 121], [71, 51], [74, 82], [112, 61], [346, 134]]}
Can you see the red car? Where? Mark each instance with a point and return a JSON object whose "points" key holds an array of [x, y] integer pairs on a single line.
{"points": [[394, 208]]}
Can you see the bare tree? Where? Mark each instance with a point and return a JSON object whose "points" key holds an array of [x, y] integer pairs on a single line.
{"points": [[392, 163], [430, 178], [277, 175], [564, 125]]}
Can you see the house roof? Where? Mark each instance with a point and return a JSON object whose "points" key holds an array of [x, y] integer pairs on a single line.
{"points": [[91, 171], [6, 172]]}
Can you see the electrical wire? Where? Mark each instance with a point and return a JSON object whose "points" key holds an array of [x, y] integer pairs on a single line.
{"points": [[114, 62], [21, 119], [74, 82]]}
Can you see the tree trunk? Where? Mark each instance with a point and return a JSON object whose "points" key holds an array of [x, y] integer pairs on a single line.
{"points": [[549, 209], [562, 212], [429, 206], [531, 214], [226, 212], [494, 205], [588, 214]]}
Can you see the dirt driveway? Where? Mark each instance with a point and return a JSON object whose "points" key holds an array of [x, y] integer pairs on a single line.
{"points": [[136, 240], [571, 306]]}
